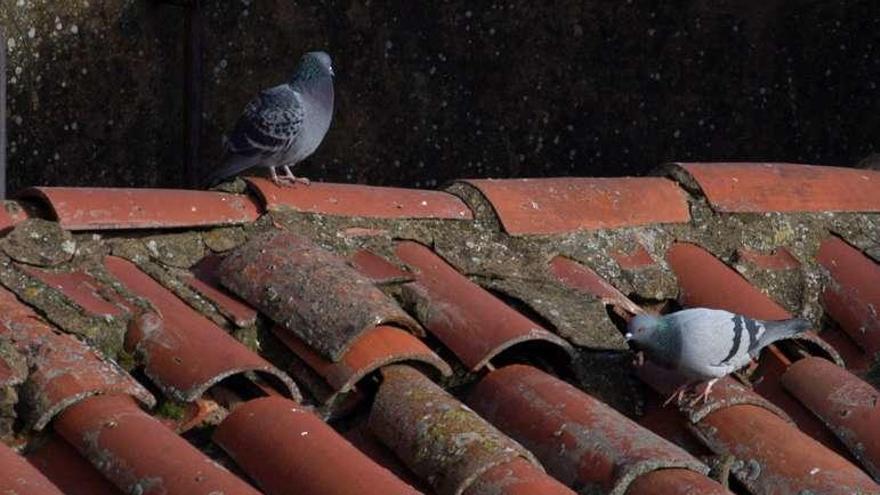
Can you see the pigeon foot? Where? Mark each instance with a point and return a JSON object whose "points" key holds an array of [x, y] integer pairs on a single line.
{"points": [[288, 179]]}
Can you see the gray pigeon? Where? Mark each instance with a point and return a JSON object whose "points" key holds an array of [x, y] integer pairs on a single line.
{"points": [[706, 344], [283, 125]]}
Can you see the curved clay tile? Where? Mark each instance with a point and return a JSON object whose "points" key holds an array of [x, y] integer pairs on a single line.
{"points": [[517, 477], [119, 208], [309, 291], [848, 405], [19, 477], [580, 440], [286, 448], [852, 297], [184, 353], [556, 206], [582, 278], [435, 435], [68, 470], [470, 321], [139, 454], [356, 200], [785, 187], [374, 349], [63, 370]]}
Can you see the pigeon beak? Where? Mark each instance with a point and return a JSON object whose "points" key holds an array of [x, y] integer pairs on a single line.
{"points": [[628, 336], [332, 72]]}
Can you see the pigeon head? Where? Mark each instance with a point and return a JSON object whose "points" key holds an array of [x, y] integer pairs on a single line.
{"points": [[641, 329], [314, 66]]}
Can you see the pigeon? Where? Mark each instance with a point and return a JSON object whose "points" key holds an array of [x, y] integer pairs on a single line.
{"points": [[706, 344], [283, 125]]}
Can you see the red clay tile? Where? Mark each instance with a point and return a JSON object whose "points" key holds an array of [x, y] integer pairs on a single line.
{"points": [[285, 448], [184, 353], [309, 291], [68, 470], [671, 424], [779, 259], [19, 477], [374, 349], [206, 281], [846, 404], [855, 358], [852, 298], [785, 187], [517, 477], [580, 440], [138, 453], [555, 206], [82, 289], [579, 277], [377, 268], [675, 482], [706, 281], [120, 208], [470, 321], [773, 457], [11, 214], [361, 437], [636, 259], [434, 434], [63, 370], [356, 200]]}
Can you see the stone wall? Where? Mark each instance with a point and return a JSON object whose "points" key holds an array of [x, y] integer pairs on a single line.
{"points": [[430, 91]]}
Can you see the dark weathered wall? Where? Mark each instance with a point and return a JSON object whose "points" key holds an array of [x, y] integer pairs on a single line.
{"points": [[429, 91]]}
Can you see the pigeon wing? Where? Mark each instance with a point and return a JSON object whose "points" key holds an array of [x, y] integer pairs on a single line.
{"points": [[715, 342], [270, 123]]}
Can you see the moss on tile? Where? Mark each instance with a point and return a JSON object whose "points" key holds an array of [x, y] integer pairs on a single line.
{"points": [[39, 242], [223, 239], [180, 250], [106, 334]]}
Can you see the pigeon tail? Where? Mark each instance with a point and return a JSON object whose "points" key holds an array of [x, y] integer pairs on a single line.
{"points": [[778, 330], [233, 165]]}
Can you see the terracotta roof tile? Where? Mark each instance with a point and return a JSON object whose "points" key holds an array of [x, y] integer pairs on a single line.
{"points": [[17, 476], [580, 440], [63, 370], [206, 281], [555, 206], [849, 406], [82, 289], [138, 453], [772, 434], [770, 456], [282, 446], [517, 477], [184, 353], [853, 296], [11, 214], [435, 435], [328, 304], [577, 276], [377, 268], [779, 259], [470, 321], [675, 482], [68, 470], [706, 281], [109, 208], [361, 201], [785, 187], [374, 349]]}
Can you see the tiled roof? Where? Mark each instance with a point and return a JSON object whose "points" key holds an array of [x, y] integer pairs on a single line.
{"points": [[346, 339]]}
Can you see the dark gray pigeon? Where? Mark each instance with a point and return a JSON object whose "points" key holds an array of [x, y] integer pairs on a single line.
{"points": [[283, 125], [706, 344]]}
